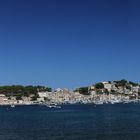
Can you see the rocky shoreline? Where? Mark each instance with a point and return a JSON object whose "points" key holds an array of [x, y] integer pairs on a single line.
{"points": [[52, 105]]}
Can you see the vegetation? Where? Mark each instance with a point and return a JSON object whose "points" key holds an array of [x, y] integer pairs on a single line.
{"points": [[113, 91], [125, 83], [46, 99], [19, 90], [133, 84], [121, 83], [99, 92], [19, 97], [128, 87], [34, 98], [106, 92], [84, 90], [99, 86]]}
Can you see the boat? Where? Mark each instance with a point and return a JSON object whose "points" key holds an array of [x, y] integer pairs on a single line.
{"points": [[115, 101], [99, 103], [12, 106], [50, 106], [53, 105], [58, 107]]}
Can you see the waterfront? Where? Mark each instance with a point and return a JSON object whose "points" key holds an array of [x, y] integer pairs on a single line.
{"points": [[103, 92], [71, 122]]}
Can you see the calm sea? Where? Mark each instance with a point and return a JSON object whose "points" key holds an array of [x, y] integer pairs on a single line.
{"points": [[71, 122]]}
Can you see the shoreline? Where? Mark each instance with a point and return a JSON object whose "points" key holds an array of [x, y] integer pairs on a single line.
{"points": [[61, 104]]}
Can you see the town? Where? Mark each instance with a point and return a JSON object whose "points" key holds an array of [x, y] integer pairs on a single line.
{"points": [[122, 91]]}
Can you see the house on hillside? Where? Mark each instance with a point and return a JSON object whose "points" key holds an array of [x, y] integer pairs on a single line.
{"points": [[59, 90], [136, 89], [107, 86], [44, 94], [2, 95], [91, 88]]}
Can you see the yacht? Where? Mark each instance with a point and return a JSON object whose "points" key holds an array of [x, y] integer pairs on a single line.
{"points": [[53, 105], [12, 106]]}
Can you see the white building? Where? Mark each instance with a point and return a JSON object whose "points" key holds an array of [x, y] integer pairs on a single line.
{"points": [[93, 92], [44, 94], [40, 99], [92, 87], [59, 90], [136, 89], [107, 85], [2, 95]]}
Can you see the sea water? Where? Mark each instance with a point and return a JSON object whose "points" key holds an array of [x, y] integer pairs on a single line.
{"points": [[71, 122]]}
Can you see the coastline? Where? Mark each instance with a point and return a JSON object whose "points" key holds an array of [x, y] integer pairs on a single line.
{"points": [[100, 93], [61, 104]]}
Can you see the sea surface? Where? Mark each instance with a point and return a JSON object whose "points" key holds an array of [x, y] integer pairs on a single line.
{"points": [[71, 122]]}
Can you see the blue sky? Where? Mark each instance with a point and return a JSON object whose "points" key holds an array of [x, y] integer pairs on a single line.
{"points": [[69, 43]]}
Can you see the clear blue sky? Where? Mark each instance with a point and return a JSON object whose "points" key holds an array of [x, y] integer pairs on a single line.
{"points": [[69, 43]]}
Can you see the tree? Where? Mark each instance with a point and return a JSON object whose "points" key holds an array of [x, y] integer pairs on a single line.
{"points": [[106, 91], [46, 99], [43, 88], [84, 91], [99, 86], [23, 90], [34, 98], [113, 91], [18, 97], [122, 83], [133, 84], [31, 89], [128, 87]]}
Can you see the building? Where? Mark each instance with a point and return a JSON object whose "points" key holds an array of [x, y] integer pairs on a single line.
{"points": [[92, 87], [40, 99], [136, 89], [44, 94], [107, 85], [59, 90], [2, 95]]}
